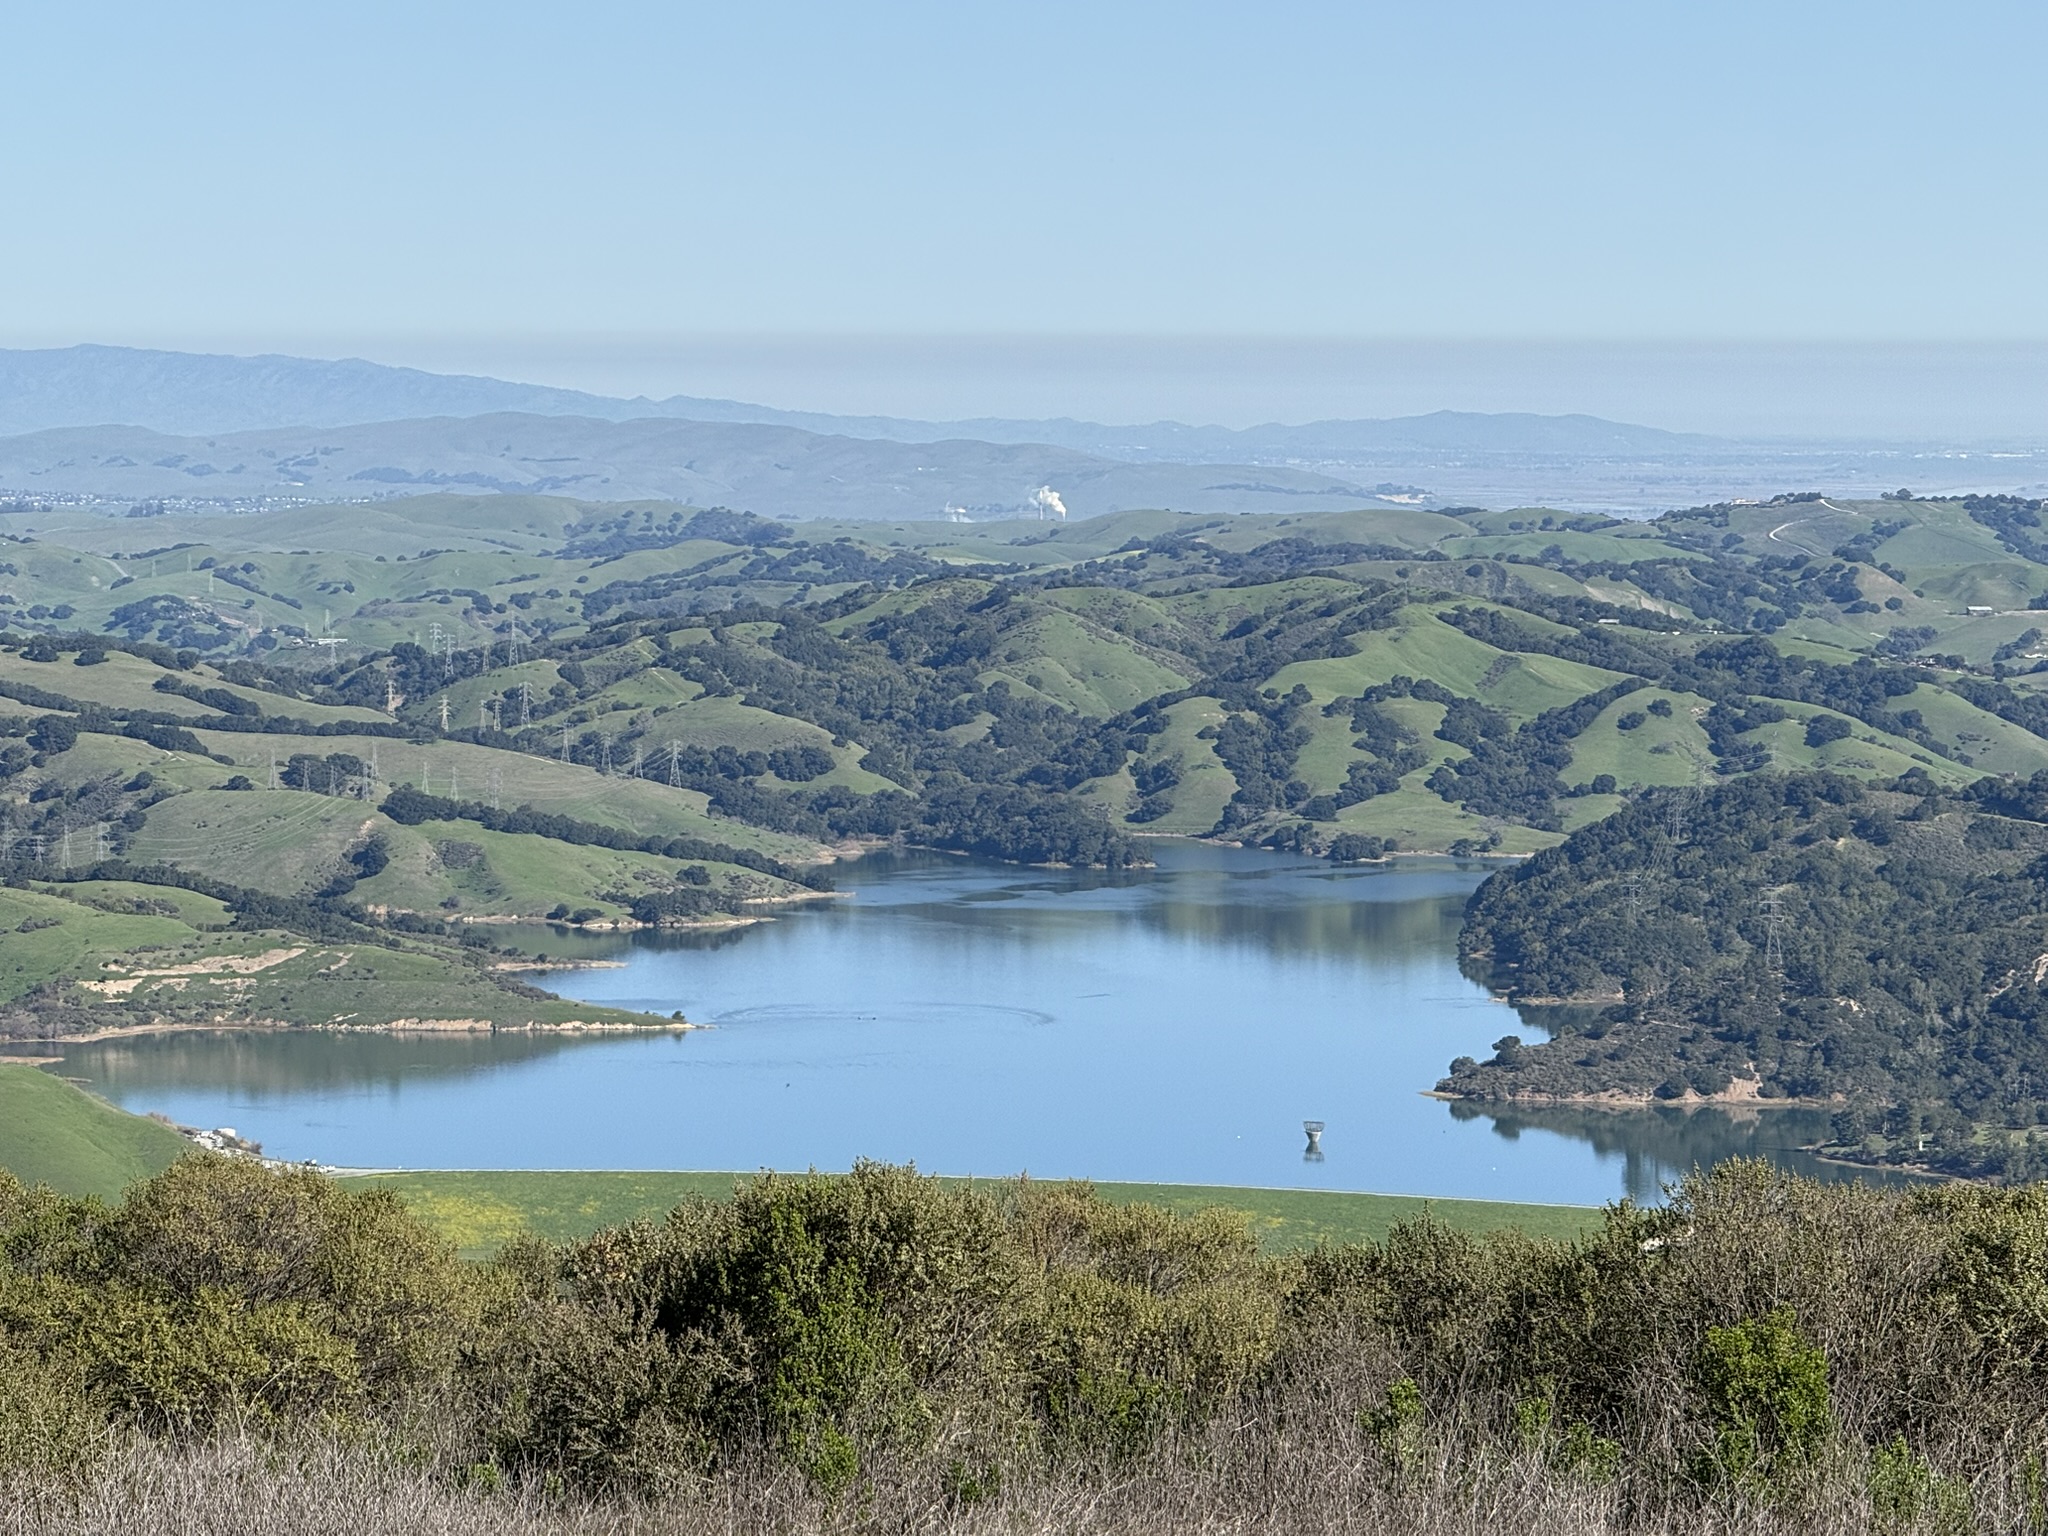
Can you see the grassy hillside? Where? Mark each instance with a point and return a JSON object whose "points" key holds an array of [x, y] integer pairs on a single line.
{"points": [[102, 954], [56, 1134], [612, 680]]}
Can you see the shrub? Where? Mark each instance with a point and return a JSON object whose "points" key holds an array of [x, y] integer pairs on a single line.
{"points": [[819, 1316], [1138, 1321], [223, 1287], [1906, 1494], [49, 1420], [1766, 1395]]}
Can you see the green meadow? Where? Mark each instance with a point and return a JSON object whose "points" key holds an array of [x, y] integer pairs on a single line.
{"points": [[479, 1211]]}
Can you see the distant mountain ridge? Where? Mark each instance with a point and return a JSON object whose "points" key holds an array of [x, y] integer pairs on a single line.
{"points": [[777, 471], [201, 394]]}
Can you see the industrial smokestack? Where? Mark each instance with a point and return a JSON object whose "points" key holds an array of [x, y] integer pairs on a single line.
{"points": [[1048, 504]]}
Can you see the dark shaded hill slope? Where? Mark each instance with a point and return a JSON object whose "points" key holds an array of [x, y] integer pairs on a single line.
{"points": [[1800, 936]]}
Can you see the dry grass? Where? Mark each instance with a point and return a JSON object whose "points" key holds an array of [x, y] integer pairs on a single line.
{"points": [[1242, 1481]]}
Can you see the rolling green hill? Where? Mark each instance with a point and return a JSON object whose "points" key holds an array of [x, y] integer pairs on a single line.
{"points": [[53, 1133], [710, 675], [663, 714]]}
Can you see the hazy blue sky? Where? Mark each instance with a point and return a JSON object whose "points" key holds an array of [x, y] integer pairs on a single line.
{"points": [[407, 181]]}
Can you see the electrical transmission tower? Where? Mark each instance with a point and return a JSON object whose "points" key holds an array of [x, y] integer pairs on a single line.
{"points": [[454, 782], [525, 704], [273, 770], [638, 761], [444, 714], [101, 849], [565, 741], [1677, 814], [675, 764], [1635, 891], [604, 752], [494, 782], [392, 697], [1773, 908], [64, 857], [1678, 808]]}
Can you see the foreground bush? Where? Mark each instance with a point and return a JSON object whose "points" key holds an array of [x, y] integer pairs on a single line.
{"points": [[881, 1351]]}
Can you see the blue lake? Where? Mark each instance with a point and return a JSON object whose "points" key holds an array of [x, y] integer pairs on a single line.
{"points": [[1175, 1024]]}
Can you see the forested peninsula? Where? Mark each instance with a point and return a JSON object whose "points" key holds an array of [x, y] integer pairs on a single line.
{"points": [[1880, 948]]}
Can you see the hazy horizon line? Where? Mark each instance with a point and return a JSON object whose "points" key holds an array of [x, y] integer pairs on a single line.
{"points": [[1950, 390]]}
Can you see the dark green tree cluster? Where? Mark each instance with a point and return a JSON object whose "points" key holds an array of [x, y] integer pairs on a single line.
{"points": [[1805, 936], [1518, 776]]}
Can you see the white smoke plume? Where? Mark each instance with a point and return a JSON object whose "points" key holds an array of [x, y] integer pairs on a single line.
{"points": [[1046, 501]]}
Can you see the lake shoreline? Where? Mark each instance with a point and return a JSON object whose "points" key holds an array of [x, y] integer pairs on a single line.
{"points": [[430, 1027], [833, 1023], [1627, 1102]]}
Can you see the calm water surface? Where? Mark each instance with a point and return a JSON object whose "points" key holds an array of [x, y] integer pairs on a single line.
{"points": [[1175, 1024]]}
